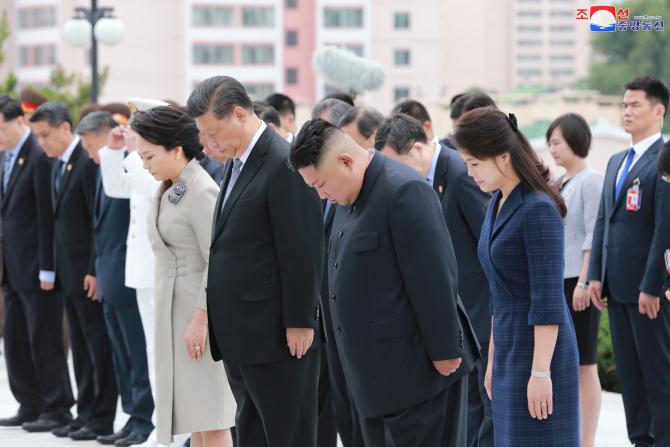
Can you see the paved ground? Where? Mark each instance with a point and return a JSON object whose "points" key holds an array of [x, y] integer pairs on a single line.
{"points": [[611, 432]]}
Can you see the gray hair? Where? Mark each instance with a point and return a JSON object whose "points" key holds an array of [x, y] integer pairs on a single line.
{"points": [[367, 120], [96, 122], [337, 109]]}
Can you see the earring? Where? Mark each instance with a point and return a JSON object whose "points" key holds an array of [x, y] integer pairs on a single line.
{"points": [[178, 157]]}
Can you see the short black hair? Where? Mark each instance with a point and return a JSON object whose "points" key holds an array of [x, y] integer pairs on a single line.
{"points": [[341, 96], [413, 108], [267, 113], [282, 103], [96, 121], [576, 133], [10, 108], [654, 89], [309, 145], [53, 112], [367, 120], [336, 106], [169, 126], [456, 97], [400, 132], [457, 103], [664, 159], [477, 101], [220, 94]]}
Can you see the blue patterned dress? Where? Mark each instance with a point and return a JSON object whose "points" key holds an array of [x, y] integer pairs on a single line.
{"points": [[521, 251]]}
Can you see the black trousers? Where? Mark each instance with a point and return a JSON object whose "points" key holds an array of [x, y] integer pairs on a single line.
{"points": [[326, 434], [36, 364], [346, 416], [92, 358], [437, 422], [276, 402], [642, 353], [480, 414], [129, 353]]}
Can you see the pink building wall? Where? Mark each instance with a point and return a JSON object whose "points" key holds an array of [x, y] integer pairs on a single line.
{"points": [[301, 19]]}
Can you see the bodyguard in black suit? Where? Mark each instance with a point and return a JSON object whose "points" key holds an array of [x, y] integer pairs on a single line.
{"points": [[73, 194], [632, 230], [402, 137], [264, 272], [36, 365], [404, 340], [119, 303]]}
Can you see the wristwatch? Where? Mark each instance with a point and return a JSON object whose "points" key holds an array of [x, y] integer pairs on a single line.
{"points": [[583, 285], [540, 374]]}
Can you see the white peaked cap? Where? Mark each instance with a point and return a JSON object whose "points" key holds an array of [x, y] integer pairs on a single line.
{"points": [[144, 104]]}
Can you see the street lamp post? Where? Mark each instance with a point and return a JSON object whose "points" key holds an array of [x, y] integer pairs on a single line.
{"points": [[90, 25]]}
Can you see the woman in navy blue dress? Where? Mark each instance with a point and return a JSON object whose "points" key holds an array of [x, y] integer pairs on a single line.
{"points": [[533, 371]]}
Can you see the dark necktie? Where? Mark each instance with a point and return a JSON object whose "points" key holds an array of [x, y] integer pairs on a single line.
{"points": [[59, 176]]}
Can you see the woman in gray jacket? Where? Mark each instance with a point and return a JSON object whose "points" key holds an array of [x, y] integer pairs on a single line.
{"points": [[569, 140]]}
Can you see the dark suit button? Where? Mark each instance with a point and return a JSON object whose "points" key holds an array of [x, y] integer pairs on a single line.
{"points": [[338, 330], [340, 234], [333, 297]]}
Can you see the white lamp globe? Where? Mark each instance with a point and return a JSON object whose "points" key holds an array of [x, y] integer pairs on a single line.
{"points": [[77, 32], [109, 30]]}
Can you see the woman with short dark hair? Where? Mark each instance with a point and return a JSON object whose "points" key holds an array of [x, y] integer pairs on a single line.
{"points": [[192, 391], [569, 140], [532, 374]]}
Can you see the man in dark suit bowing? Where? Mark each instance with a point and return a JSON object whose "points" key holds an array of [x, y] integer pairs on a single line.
{"points": [[403, 138], [36, 365], [73, 180], [403, 337], [264, 272], [119, 303], [632, 230]]}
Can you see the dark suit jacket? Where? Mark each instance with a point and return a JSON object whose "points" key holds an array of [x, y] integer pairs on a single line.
{"points": [[73, 217], [464, 208], [627, 248], [393, 292], [111, 219], [214, 169], [266, 258], [27, 217], [327, 318]]}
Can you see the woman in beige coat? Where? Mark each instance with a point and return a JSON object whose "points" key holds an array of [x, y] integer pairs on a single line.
{"points": [[192, 391]]}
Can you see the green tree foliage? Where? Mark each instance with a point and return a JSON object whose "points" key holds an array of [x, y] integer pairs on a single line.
{"points": [[624, 55]]}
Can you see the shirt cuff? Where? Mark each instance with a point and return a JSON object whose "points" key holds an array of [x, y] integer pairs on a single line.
{"points": [[47, 276]]}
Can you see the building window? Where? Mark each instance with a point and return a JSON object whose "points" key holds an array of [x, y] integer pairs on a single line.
{"points": [[401, 20], [258, 16], [402, 57], [258, 54], [291, 4], [562, 57], [529, 42], [400, 93], [356, 49], [525, 13], [529, 72], [562, 42], [258, 91], [291, 76], [529, 28], [212, 54], [343, 18], [528, 57], [37, 17], [562, 72], [562, 13], [37, 56], [562, 28], [291, 38], [212, 16]]}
